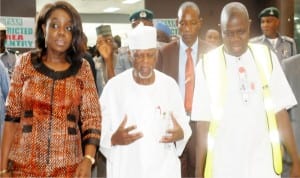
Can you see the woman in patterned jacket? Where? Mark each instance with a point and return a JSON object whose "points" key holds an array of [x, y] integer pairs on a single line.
{"points": [[52, 123]]}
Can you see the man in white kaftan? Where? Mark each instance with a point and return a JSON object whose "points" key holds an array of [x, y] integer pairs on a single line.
{"points": [[241, 145], [151, 108]]}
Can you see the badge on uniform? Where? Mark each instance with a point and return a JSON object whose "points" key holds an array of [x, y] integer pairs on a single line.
{"points": [[143, 14], [285, 52]]}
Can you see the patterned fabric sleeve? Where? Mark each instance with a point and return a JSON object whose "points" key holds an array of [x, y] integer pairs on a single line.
{"points": [[13, 102], [90, 108]]}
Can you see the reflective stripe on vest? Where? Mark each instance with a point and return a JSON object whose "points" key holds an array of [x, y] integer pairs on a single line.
{"points": [[215, 73], [265, 69]]}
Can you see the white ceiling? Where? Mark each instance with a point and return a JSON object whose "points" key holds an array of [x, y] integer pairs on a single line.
{"points": [[97, 6]]}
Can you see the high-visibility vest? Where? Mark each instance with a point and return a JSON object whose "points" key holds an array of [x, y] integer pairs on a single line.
{"points": [[214, 67]]}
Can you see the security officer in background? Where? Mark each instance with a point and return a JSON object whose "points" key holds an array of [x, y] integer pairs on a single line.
{"points": [[6, 57], [123, 61], [283, 46], [144, 15], [291, 67]]}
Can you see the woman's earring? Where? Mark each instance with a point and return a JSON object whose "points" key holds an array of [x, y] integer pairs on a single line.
{"points": [[73, 47], [45, 43]]}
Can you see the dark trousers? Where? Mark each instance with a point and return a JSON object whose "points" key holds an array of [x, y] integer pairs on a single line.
{"points": [[99, 169], [188, 157]]}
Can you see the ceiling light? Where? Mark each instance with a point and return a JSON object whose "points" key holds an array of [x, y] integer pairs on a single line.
{"points": [[111, 9], [130, 1]]}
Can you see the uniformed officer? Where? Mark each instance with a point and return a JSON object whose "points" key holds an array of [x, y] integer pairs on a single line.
{"points": [[143, 15], [283, 46], [123, 60]]}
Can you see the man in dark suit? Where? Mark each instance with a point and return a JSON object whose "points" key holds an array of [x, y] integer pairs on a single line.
{"points": [[291, 68], [172, 59]]}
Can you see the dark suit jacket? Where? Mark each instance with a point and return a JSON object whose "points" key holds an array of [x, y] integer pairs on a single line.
{"points": [[168, 57], [291, 67]]}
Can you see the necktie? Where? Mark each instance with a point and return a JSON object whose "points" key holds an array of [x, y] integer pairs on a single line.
{"points": [[189, 81]]}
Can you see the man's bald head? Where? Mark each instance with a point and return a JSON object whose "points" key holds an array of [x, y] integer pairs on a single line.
{"points": [[235, 27], [186, 5], [231, 10], [189, 22]]}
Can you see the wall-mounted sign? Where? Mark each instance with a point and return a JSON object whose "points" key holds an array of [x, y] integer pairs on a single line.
{"points": [[19, 31]]}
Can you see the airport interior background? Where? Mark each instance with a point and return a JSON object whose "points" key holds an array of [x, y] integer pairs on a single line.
{"points": [[116, 13]]}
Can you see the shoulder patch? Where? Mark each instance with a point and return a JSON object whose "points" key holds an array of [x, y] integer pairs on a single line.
{"points": [[256, 39], [288, 38]]}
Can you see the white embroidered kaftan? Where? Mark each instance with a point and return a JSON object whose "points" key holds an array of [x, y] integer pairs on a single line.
{"points": [[148, 107]]}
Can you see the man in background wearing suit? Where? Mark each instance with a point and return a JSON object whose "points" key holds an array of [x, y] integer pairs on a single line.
{"points": [[172, 60], [291, 68]]}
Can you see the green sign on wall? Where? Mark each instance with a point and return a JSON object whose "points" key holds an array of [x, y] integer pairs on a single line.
{"points": [[19, 31]]}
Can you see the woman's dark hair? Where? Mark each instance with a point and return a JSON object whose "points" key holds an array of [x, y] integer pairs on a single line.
{"points": [[76, 50]]}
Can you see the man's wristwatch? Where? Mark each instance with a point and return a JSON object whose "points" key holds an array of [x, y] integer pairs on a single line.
{"points": [[92, 159]]}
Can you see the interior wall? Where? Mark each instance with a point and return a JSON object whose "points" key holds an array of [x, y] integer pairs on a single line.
{"points": [[210, 12], [18, 8], [119, 25], [297, 24]]}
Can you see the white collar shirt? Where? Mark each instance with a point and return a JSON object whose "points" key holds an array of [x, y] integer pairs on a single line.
{"points": [[182, 62]]}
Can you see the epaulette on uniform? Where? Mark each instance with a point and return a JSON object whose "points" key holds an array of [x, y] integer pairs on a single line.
{"points": [[286, 38], [11, 51], [256, 39]]}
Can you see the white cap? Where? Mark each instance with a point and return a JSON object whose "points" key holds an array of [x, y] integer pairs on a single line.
{"points": [[142, 37], [2, 27]]}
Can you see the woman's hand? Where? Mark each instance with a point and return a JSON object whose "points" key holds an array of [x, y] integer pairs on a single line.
{"points": [[84, 169], [6, 174]]}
